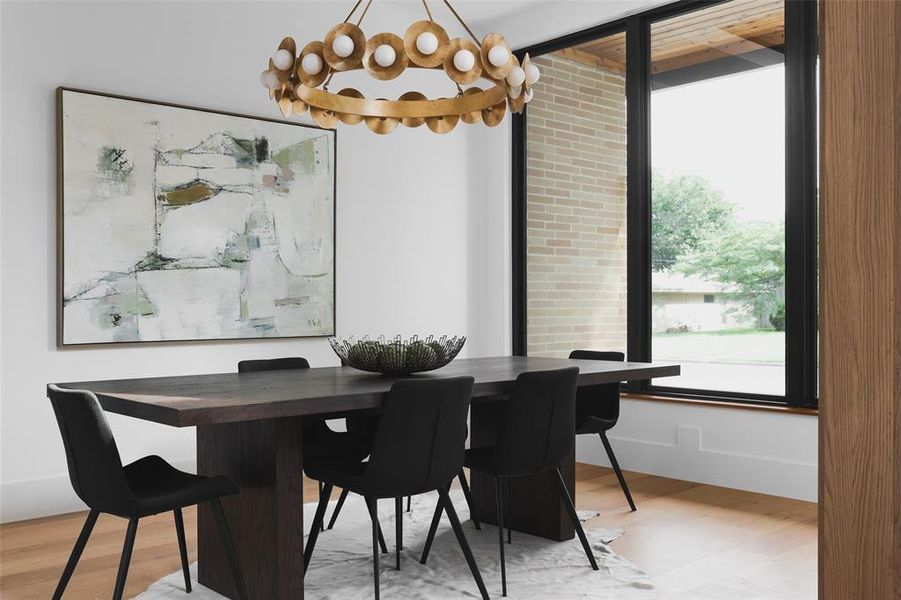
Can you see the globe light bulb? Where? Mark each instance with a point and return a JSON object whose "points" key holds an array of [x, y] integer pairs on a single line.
{"points": [[464, 60], [311, 64], [515, 91], [532, 74], [283, 60], [269, 79], [499, 56], [343, 46], [427, 43], [516, 76], [385, 55]]}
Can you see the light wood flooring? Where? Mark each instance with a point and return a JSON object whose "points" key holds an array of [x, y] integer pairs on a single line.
{"points": [[698, 542]]}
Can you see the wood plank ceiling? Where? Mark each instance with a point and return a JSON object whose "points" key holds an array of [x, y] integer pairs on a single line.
{"points": [[728, 29]]}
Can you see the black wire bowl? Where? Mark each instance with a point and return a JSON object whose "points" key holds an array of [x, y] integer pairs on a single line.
{"points": [[397, 356]]}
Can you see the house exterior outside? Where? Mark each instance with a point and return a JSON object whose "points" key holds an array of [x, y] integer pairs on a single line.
{"points": [[692, 303]]}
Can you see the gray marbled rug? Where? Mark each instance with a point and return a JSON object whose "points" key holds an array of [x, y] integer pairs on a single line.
{"points": [[536, 568]]}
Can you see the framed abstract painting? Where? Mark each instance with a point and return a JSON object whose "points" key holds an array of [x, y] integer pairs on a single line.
{"points": [[182, 224]]}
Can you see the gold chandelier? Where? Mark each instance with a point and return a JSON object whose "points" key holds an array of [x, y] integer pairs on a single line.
{"points": [[300, 82]]}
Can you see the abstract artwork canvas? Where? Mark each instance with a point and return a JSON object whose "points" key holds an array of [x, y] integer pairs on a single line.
{"points": [[182, 224]]}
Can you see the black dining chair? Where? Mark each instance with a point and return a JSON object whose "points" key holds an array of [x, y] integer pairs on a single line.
{"points": [[537, 432], [419, 447], [145, 487], [597, 411], [319, 440]]}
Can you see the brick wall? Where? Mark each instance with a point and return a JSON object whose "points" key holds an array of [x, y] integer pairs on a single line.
{"points": [[576, 209]]}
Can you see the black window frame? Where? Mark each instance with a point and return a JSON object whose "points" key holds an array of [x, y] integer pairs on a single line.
{"points": [[801, 303]]}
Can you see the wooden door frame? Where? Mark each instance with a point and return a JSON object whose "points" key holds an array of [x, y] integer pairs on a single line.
{"points": [[860, 286]]}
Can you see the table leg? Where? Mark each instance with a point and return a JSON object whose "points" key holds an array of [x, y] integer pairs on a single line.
{"points": [[535, 505], [266, 518]]}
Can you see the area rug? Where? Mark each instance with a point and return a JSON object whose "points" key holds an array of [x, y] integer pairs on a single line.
{"points": [[537, 569]]}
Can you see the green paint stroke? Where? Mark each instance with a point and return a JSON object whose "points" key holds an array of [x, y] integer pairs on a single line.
{"points": [[302, 154], [113, 163]]}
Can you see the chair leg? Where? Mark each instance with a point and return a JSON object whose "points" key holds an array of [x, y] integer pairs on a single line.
{"points": [[507, 510], [433, 529], [226, 536], [617, 470], [577, 525], [444, 498], [338, 508], [182, 548], [398, 529], [382, 545], [461, 477], [80, 543], [409, 503], [376, 538], [499, 501], [317, 526], [126, 558], [321, 527]]}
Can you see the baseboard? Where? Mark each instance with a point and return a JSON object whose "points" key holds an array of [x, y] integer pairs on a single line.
{"points": [[688, 460], [33, 498]]}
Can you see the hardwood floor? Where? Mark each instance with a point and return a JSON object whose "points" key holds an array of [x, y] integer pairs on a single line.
{"points": [[697, 541]]}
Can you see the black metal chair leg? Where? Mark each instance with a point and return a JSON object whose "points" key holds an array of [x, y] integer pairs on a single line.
{"points": [[507, 510], [577, 525], [499, 501], [617, 470], [182, 548], [324, 494], [321, 527], [409, 503], [376, 538], [338, 508], [382, 545], [398, 530], [444, 498], [80, 543], [126, 558], [433, 529], [226, 536], [461, 477]]}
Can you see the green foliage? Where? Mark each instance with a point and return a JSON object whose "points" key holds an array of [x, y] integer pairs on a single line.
{"points": [[749, 257], [685, 210]]}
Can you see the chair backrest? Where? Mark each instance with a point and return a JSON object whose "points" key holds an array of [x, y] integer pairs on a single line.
{"points": [[538, 426], [95, 468], [420, 442], [273, 364], [601, 401]]}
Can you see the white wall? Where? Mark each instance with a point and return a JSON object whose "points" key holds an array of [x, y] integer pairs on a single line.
{"points": [[423, 237], [422, 229]]}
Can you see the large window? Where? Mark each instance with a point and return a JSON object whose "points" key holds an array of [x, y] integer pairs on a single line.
{"points": [[576, 200], [665, 199], [717, 119]]}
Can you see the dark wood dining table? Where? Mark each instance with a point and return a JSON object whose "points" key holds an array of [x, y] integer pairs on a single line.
{"points": [[249, 428]]}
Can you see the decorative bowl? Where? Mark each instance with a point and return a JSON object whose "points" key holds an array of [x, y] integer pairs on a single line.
{"points": [[397, 356]]}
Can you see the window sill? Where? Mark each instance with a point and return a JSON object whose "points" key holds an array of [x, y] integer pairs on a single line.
{"points": [[787, 410]]}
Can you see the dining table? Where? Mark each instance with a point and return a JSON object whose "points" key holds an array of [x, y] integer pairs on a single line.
{"points": [[249, 427]]}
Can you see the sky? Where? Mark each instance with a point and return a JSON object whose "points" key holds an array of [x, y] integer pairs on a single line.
{"points": [[730, 130]]}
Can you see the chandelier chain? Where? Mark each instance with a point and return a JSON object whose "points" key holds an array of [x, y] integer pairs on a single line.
{"points": [[352, 11], [365, 10], [427, 11], [463, 23]]}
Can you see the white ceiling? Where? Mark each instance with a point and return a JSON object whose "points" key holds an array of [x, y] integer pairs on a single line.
{"points": [[477, 11], [525, 22]]}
